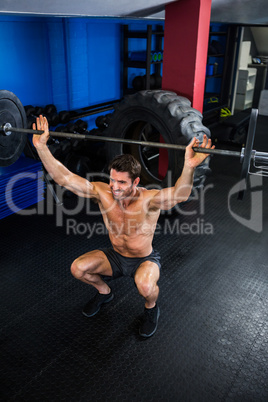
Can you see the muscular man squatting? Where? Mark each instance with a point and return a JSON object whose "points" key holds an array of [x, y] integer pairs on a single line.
{"points": [[130, 214]]}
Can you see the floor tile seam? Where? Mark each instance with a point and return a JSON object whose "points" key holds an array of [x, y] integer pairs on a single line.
{"points": [[39, 374], [66, 351], [20, 317]]}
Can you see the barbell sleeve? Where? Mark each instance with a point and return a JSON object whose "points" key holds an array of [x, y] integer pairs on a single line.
{"points": [[261, 158]]}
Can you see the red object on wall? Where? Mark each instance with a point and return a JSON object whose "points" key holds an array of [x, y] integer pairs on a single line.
{"points": [[163, 161], [186, 45]]}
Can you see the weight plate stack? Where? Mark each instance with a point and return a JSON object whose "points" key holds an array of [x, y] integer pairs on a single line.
{"points": [[11, 111]]}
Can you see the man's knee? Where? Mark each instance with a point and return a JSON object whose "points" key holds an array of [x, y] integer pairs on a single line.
{"points": [[146, 282], [82, 266], [77, 268], [146, 288]]}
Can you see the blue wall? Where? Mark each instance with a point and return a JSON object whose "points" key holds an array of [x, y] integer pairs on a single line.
{"points": [[24, 59], [71, 62]]}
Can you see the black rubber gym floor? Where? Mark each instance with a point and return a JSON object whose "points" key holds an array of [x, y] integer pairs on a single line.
{"points": [[212, 339]]}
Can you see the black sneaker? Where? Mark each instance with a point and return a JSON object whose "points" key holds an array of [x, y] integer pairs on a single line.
{"points": [[150, 321], [94, 305]]}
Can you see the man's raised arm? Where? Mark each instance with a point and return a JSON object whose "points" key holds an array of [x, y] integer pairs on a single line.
{"points": [[58, 172], [168, 197]]}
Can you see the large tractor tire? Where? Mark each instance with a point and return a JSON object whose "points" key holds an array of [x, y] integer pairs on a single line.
{"points": [[157, 116]]}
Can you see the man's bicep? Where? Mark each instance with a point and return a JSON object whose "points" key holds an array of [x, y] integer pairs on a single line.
{"points": [[81, 186], [163, 199]]}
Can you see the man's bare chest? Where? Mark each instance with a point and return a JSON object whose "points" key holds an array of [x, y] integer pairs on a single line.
{"points": [[128, 220]]}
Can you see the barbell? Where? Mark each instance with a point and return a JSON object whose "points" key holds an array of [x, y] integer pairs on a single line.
{"points": [[13, 122]]}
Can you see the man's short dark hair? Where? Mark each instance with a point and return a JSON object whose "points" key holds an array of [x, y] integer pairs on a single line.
{"points": [[126, 163]]}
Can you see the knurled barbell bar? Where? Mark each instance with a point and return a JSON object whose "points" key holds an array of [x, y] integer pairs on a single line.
{"points": [[13, 121]]}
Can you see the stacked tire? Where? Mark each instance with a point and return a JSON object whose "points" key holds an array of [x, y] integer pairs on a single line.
{"points": [[157, 115]]}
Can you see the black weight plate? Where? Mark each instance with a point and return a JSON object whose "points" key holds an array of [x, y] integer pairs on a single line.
{"points": [[248, 151], [11, 111]]}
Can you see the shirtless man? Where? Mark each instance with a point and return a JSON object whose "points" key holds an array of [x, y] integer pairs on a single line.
{"points": [[130, 214]]}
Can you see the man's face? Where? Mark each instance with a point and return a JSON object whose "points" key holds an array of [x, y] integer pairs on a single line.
{"points": [[121, 184]]}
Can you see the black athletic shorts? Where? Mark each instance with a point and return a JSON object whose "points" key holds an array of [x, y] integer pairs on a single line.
{"points": [[127, 266]]}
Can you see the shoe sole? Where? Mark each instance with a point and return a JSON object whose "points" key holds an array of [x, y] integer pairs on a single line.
{"points": [[106, 301], [151, 334]]}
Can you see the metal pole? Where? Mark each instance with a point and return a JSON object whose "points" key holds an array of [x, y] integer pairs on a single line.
{"points": [[123, 141]]}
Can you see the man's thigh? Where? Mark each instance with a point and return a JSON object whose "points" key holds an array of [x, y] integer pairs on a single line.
{"points": [[95, 262]]}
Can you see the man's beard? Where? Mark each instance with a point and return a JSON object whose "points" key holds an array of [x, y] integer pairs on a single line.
{"points": [[123, 194]]}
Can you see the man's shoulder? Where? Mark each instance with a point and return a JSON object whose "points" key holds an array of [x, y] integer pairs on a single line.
{"points": [[148, 193], [100, 185], [101, 188]]}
